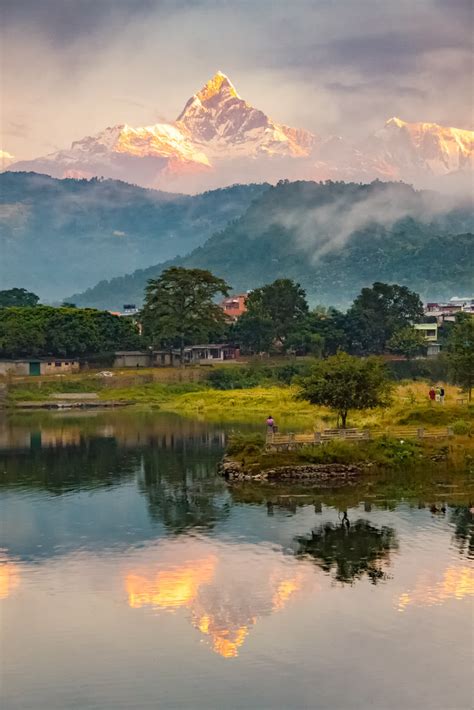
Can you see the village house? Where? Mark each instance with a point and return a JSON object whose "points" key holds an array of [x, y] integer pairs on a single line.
{"points": [[39, 366], [196, 355], [234, 306], [447, 311], [430, 333]]}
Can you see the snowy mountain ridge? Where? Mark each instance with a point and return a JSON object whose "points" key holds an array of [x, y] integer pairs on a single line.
{"points": [[219, 138]]}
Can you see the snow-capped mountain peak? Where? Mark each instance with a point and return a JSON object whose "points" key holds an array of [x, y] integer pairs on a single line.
{"points": [[219, 138], [6, 159], [220, 118]]}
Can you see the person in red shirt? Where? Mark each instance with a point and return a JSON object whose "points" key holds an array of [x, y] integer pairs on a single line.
{"points": [[432, 394]]}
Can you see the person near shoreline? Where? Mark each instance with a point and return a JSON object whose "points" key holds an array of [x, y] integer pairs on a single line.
{"points": [[271, 426]]}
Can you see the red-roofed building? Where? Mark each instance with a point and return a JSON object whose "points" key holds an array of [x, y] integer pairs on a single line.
{"points": [[234, 306]]}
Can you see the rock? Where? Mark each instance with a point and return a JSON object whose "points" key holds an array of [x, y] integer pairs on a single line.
{"points": [[329, 474]]}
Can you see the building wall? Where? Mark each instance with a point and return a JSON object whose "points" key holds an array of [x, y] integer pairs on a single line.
{"points": [[55, 367], [132, 360], [14, 367]]}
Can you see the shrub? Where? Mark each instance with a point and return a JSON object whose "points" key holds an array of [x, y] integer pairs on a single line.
{"points": [[245, 444], [460, 426]]}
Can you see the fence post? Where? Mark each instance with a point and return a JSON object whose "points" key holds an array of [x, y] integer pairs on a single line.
{"points": [[317, 437], [420, 433], [450, 431], [367, 433], [292, 440]]}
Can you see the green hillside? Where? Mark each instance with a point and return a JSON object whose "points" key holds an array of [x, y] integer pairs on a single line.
{"points": [[59, 236], [333, 238]]}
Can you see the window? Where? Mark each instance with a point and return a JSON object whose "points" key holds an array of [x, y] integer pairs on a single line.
{"points": [[57, 363]]}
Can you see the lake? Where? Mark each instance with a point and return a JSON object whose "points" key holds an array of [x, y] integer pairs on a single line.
{"points": [[131, 577]]}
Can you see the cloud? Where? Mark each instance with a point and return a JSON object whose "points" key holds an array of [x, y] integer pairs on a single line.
{"points": [[380, 206], [296, 61]]}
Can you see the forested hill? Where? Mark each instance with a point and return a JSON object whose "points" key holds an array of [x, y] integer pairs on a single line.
{"points": [[59, 236], [333, 238]]}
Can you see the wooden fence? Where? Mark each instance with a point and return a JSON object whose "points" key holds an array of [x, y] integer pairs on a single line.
{"points": [[277, 440]]}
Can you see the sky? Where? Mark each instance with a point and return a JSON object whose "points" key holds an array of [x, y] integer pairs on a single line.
{"points": [[69, 68]]}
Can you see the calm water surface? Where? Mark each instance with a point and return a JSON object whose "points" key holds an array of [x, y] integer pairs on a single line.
{"points": [[131, 577]]}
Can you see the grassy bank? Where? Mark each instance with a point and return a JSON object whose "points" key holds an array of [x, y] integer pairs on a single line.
{"points": [[384, 450], [189, 392]]}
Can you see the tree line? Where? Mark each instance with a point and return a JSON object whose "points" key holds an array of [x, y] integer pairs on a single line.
{"points": [[181, 308], [28, 329]]}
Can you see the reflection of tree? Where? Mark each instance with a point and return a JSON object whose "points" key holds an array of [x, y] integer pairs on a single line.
{"points": [[350, 550], [92, 463], [463, 520], [182, 487]]}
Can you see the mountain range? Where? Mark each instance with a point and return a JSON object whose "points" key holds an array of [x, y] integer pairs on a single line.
{"points": [[334, 239], [220, 139], [59, 236]]}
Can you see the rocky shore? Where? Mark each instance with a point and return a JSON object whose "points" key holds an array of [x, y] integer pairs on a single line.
{"points": [[315, 474]]}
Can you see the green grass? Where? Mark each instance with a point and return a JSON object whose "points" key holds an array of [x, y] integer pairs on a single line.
{"points": [[185, 392], [384, 451]]}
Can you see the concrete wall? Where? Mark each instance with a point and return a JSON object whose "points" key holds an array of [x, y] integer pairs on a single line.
{"points": [[48, 367], [132, 360], [55, 367], [14, 367]]}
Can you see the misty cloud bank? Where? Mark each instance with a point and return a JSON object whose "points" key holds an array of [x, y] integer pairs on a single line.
{"points": [[327, 228]]}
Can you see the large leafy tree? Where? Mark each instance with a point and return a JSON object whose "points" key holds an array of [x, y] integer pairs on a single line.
{"points": [[282, 304], [18, 297], [461, 351], [344, 382], [377, 313], [180, 308], [254, 331]]}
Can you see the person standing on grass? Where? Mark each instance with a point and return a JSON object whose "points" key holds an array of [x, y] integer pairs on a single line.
{"points": [[270, 424], [432, 394], [441, 395], [438, 393]]}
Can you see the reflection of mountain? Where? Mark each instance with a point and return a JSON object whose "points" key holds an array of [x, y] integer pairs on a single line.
{"points": [[224, 600], [9, 576], [431, 589], [349, 551], [463, 520]]}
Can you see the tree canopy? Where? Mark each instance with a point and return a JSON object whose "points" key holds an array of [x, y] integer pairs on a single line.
{"points": [[378, 312], [17, 297], [274, 313], [180, 308], [67, 332], [461, 351], [344, 382], [407, 341]]}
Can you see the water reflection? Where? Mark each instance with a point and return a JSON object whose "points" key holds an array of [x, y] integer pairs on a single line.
{"points": [[182, 489], [462, 518], [350, 550], [9, 576], [455, 583], [129, 557], [223, 600]]}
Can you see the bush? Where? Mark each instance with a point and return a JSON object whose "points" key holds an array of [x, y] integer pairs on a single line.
{"points": [[460, 426], [229, 378], [434, 369], [245, 444], [386, 450]]}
